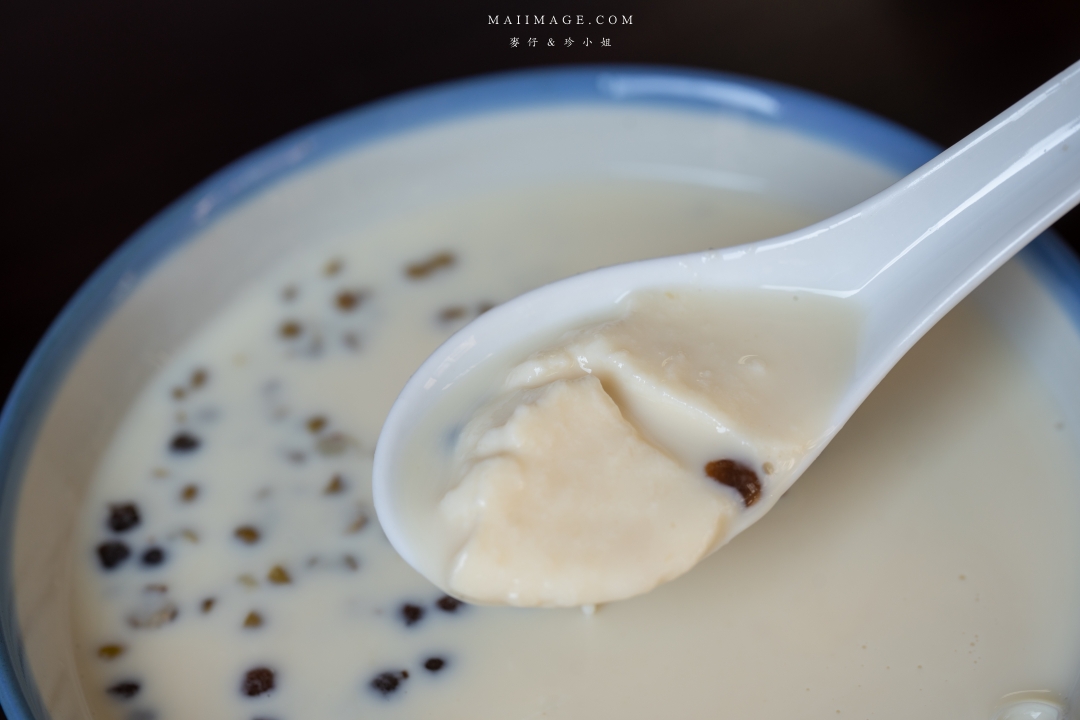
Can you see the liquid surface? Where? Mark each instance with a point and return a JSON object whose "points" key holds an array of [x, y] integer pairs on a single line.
{"points": [[616, 460], [907, 574]]}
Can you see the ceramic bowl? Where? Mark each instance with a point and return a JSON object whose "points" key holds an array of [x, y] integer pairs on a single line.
{"points": [[388, 157]]}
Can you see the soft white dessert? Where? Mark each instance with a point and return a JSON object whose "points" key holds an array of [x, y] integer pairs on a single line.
{"points": [[925, 566], [617, 460]]}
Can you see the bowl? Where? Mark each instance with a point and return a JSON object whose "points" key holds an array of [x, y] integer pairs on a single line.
{"points": [[391, 158]]}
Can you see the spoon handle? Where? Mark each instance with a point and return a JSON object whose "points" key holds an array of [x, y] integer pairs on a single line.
{"points": [[915, 250]]}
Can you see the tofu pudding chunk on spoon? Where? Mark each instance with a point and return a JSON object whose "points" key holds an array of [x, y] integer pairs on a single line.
{"points": [[598, 436]]}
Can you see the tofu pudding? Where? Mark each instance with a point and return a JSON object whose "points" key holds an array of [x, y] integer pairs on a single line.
{"points": [[619, 458], [229, 564]]}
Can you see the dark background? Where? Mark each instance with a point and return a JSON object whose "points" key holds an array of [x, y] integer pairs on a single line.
{"points": [[113, 108]]}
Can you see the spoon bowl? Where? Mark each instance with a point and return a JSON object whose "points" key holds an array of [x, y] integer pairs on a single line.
{"points": [[903, 258]]}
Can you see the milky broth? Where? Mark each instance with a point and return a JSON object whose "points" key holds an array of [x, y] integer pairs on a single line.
{"points": [[927, 564]]}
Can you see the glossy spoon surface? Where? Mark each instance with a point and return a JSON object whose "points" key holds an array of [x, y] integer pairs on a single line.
{"points": [[904, 257]]}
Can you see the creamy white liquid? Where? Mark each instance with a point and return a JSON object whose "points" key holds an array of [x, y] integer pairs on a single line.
{"points": [[617, 459], [925, 566]]}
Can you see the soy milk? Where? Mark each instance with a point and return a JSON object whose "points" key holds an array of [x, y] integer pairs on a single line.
{"points": [[232, 567]]}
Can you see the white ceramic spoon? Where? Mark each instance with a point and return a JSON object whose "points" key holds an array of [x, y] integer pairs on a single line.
{"points": [[906, 256]]}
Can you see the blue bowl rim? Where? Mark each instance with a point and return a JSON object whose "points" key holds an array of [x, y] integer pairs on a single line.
{"points": [[832, 121]]}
